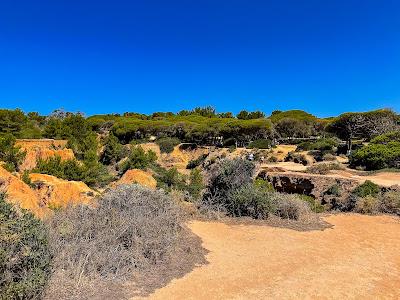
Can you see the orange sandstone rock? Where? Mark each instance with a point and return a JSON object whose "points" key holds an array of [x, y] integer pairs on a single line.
{"points": [[56, 193], [42, 149], [137, 176], [21, 194]]}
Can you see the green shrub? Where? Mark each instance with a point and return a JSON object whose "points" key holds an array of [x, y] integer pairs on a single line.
{"points": [[138, 159], [9, 153], [196, 184], [260, 144], [196, 162], [89, 171], [377, 156], [250, 200], [334, 190], [113, 150], [167, 144], [368, 188], [296, 158], [325, 144], [315, 205], [24, 254]]}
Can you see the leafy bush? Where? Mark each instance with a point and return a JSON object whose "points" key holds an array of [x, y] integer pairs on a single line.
{"points": [[227, 176], [196, 184], [9, 153], [296, 158], [324, 168], [325, 144], [24, 254], [260, 144], [368, 188], [315, 205], [196, 162], [112, 151], [167, 144], [90, 171], [250, 200], [132, 229], [138, 159], [377, 156]]}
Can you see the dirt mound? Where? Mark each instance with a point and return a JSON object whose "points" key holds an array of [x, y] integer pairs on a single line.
{"points": [[54, 192], [137, 176], [42, 149], [359, 258], [18, 192]]}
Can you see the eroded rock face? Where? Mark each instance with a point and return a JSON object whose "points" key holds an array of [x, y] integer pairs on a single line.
{"points": [[137, 176], [42, 149], [55, 193], [19, 193], [330, 191]]}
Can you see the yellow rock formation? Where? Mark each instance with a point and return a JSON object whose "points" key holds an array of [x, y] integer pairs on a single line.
{"points": [[42, 149], [21, 194], [55, 192], [137, 176]]}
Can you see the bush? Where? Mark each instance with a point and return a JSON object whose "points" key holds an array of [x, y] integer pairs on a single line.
{"points": [[196, 162], [368, 188], [138, 159], [260, 144], [377, 156], [315, 205], [196, 184], [296, 158], [9, 153], [328, 157], [289, 206], [390, 202], [325, 144], [250, 200], [167, 144], [132, 229], [24, 254], [226, 176], [113, 150], [367, 205], [324, 168], [90, 171]]}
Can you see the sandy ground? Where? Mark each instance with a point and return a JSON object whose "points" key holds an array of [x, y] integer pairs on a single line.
{"points": [[358, 258], [383, 178]]}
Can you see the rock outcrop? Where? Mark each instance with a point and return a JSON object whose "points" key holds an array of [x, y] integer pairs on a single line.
{"points": [[333, 191], [42, 149], [56, 193], [137, 176], [19, 193]]}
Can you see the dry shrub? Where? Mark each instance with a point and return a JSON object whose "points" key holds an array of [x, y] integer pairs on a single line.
{"points": [[290, 206], [367, 205], [324, 168], [132, 230], [389, 202]]}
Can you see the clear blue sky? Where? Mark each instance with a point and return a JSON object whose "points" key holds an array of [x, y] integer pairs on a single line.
{"points": [[325, 57]]}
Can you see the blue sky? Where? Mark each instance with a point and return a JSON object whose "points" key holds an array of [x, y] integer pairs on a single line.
{"points": [[325, 57]]}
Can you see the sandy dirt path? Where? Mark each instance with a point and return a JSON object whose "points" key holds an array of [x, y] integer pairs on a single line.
{"points": [[359, 258]]}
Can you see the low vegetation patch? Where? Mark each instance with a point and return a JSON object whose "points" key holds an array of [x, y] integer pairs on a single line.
{"points": [[133, 231], [24, 253], [167, 144], [324, 168]]}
